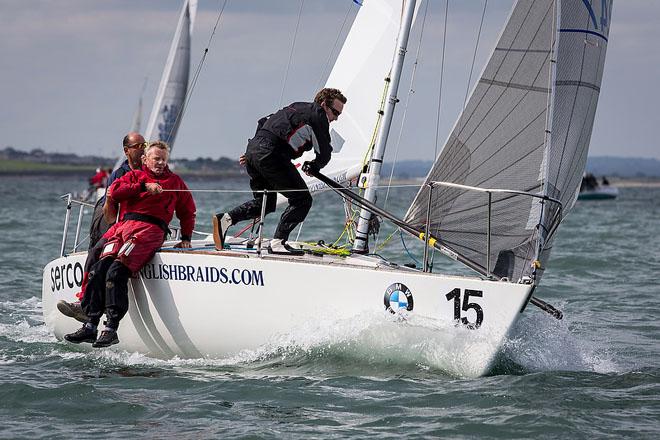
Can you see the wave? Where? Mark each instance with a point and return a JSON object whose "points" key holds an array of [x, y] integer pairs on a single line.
{"points": [[376, 344]]}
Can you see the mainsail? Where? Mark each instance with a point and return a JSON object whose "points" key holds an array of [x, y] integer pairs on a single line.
{"points": [[168, 107], [526, 127], [359, 72]]}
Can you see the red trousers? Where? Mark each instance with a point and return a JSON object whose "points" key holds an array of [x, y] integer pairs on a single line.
{"points": [[133, 243]]}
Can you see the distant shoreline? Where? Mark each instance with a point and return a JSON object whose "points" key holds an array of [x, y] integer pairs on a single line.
{"points": [[29, 168], [635, 183], [24, 168], [86, 173]]}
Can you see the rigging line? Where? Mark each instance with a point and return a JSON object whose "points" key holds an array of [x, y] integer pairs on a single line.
{"points": [[334, 46], [387, 240], [498, 69], [442, 71], [570, 121], [468, 119], [293, 46], [474, 56], [403, 242], [249, 191], [300, 226], [405, 109], [520, 100], [198, 70]]}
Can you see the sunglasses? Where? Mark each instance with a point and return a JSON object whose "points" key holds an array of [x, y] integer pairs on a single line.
{"points": [[334, 111], [140, 145]]}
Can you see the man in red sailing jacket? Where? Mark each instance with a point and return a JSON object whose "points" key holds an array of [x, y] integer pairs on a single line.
{"points": [[105, 214], [146, 212]]}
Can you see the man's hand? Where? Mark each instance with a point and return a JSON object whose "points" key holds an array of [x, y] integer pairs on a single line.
{"points": [[153, 188], [184, 244], [242, 160], [310, 168], [110, 208]]}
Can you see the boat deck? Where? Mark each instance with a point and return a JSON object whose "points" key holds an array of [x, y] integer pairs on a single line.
{"points": [[239, 248]]}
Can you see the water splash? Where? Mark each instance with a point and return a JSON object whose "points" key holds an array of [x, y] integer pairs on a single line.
{"points": [[375, 344], [541, 343]]}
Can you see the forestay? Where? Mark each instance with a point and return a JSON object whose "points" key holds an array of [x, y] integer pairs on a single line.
{"points": [[167, 110], [359, 72], [526, 127]]}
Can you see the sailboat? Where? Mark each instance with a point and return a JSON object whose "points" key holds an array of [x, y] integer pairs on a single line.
{"points": [[590, 189], [493, 200], [167, 111]]}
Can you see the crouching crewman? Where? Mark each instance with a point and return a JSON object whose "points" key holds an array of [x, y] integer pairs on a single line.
{"points": [[133, 241]]}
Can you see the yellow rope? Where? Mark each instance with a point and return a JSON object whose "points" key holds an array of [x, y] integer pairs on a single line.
{"points": [[330, 250], [382, 245]]}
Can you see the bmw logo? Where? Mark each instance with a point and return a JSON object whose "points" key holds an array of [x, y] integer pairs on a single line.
{"points": [[398, 297]]}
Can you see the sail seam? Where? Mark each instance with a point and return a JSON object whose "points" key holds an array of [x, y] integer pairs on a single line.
{"points": [[520, 63], [514, 85], [469, 117], [505, 49], [514, 137], [578, 84], [586, 31], [570, 122], [497, 71]]}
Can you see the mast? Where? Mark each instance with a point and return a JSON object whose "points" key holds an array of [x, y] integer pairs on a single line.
{"points": [[375, 165]]}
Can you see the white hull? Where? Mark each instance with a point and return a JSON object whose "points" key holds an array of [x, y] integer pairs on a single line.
{"points": [[217, 304]]}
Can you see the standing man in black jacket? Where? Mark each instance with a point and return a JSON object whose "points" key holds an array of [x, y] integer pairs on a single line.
{"points": [[281, 137]]}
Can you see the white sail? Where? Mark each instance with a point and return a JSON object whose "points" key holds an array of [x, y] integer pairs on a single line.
{"points": [[500, 139], [582, 44], [168, 107], [137, 117], [359, 72], [136, 126]]}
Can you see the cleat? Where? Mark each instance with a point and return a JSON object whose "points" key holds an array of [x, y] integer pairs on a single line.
{"points": [[107, 338], [279, 247], [72, 310], [221, 222], [83, 334]]}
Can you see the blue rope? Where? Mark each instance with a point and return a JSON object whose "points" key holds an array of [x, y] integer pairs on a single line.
{"points": [[407, 251]]}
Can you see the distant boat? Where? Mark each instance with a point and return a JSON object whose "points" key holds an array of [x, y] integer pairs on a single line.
{"points": [[167, 110], [590, 189]]}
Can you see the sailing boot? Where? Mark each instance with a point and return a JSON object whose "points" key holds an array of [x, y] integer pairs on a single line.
{"points": [[108, 337], [279, 247], [221, 222], [87, 333], [72, 310]]}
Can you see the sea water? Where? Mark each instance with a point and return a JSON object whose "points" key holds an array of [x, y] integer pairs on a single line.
{"points": [[594, 374]]}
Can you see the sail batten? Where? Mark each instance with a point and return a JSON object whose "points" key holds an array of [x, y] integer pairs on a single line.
{"points": [[526, 127]]}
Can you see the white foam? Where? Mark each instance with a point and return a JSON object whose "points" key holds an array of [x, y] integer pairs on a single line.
{"points": [[382, 339], [23, 331], [539, 343], [542, 343]]}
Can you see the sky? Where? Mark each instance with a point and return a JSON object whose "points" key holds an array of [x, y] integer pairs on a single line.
{"points": [[72, 71]]}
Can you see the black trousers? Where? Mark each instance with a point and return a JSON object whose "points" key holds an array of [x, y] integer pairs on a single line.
{"points": [[107, 292], [271, 169], [98, 226]]}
